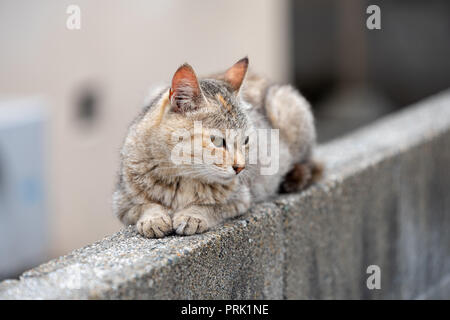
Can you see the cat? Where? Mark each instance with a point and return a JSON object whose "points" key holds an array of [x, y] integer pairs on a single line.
{"points": [[161, 197]]}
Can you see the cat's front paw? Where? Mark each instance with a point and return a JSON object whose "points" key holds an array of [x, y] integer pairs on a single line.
{"points": [[154, 226], [188, 223]]}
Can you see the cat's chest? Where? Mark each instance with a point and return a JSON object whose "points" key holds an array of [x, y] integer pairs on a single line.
{"points": [[189, 192]]}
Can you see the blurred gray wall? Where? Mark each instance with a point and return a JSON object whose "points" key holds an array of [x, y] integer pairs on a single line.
{"points": [[353, 75]]}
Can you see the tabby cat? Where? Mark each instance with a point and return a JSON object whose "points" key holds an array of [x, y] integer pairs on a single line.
{"points": [[161, 196]]}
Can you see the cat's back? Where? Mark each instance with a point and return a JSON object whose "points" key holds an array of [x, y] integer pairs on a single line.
{"points": [[255, 89]]}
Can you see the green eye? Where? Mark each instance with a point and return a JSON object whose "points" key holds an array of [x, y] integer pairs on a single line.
{"points": [[219, 142], [246, 140]]}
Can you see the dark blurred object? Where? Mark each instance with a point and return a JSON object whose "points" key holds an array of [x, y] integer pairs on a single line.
{"points": [[87, 105], [353, 75]]}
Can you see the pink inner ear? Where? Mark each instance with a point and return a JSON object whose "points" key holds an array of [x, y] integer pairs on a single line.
{"points": [[235, 75], [185, 78]]}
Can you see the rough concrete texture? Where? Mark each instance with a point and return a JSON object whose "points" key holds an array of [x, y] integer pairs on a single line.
{"points": [[384, 201]]}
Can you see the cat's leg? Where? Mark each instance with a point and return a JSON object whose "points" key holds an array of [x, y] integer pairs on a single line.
{"points": [[301, 176], [200, 218], [194, 219], [151, 219], [154, 221], [125, 208]]}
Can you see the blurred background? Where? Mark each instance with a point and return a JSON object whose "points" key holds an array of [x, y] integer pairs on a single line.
{"points": [[67, 96]]}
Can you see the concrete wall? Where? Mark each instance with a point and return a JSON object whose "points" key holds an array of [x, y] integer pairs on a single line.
{"points": [[384, 201]]}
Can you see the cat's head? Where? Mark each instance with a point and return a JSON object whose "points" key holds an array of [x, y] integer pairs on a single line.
{"points": [[213, 117]]}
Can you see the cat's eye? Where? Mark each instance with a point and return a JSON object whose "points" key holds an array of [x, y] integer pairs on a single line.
{"points": [[246, 140], [219, 142]]}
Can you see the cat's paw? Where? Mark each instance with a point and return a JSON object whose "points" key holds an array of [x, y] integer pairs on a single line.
{"points": [[187, 223], [154, 226]]}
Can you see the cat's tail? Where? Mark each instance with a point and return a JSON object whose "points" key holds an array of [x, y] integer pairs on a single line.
{"points": [[301, 176]]}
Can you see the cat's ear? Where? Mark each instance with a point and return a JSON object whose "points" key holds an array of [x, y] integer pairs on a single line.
{"points": [[236, 74], [185, 93]]}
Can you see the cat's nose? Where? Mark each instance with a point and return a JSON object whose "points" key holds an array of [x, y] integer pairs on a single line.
{"points": [[238, 169]]}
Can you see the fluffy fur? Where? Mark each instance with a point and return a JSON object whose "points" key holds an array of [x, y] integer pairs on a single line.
{"points": [[160, 197]]}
